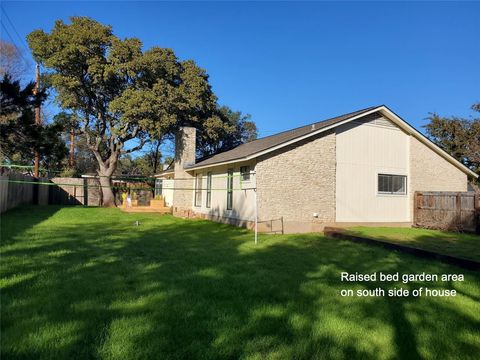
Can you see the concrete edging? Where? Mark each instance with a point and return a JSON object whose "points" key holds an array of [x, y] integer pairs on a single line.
{"points": [[464, 263]]}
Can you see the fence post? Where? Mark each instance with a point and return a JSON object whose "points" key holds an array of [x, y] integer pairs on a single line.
{"points": [[476, 211], [415, 207], [458, 209], [35, 192], [85, 191]]}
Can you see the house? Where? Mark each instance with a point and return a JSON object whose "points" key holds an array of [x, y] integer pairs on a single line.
{"points": [[359, 168]]}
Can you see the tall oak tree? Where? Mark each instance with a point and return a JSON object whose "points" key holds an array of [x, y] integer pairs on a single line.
{"points": [[120, 93]]}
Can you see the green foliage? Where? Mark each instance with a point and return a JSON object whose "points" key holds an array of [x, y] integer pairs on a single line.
{"points": [[86, 283], [68, 121], [127, 166], [150, 162], [69, 172], [458, 136], [119, 92], [85, 162], [139, 166], [19, 135], [145, 166], [168, 160], [225, 131]]}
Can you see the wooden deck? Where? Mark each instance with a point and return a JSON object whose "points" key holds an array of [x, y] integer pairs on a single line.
{"points": [[146, 209], [156, 206]]}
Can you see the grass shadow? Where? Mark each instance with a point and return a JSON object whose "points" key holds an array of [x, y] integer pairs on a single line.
{"points": [[18, 220], [89, 283]]}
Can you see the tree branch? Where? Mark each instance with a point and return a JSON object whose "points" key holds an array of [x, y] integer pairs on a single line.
{"points": [[136, 148]]}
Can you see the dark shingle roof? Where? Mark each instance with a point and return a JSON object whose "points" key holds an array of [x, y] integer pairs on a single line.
{"points": [[268, 142]]}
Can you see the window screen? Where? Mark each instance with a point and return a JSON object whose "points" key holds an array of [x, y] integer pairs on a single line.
{"points": [[392, 184], [198, 190], [230, 189], [245, 173]]}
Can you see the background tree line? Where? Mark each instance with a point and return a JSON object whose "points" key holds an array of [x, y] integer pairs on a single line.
{"points": [[460, 137]]}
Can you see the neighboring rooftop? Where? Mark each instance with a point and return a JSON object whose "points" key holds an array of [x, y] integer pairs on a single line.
{"points": [[268, 142]]}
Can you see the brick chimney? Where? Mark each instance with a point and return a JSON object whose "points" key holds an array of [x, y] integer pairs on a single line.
{"points": [[185, 152], [185, 147]]}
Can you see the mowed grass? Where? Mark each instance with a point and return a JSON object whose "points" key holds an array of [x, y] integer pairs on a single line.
{"points": [[462, 245], [86, 283]]}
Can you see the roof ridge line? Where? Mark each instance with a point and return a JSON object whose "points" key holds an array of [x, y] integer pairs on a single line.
{"points": [[316, 122]]}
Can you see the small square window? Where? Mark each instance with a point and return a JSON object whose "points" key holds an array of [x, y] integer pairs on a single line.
{"points": [[245, 173]]}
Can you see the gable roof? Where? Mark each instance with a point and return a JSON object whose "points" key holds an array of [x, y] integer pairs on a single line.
{"points": [[256, 146], [267, 144]]}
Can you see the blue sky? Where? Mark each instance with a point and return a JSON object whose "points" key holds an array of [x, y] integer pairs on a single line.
{"points": [[293, 63]]}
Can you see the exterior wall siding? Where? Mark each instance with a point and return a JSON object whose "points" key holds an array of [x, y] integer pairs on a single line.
{"points": [[431, 172], [297, 182], [243, 205], [168, 191], [364, 150]]}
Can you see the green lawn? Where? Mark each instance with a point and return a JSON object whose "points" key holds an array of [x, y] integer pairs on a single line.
{"points": [[86, 283], [461, 245]]}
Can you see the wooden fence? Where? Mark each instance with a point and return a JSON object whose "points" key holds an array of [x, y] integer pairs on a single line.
{"points": [[447, 210], [75, 191], [17, 189]]}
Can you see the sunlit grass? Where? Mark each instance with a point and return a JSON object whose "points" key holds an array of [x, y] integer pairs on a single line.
{"points": [[82, 283], [463, 245]]}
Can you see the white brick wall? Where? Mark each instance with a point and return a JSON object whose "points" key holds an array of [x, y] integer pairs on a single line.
{"points": [[431, 172], [297, 181]]}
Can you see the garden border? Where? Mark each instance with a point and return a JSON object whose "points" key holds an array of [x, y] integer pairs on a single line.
{"points": [[339, 233]]}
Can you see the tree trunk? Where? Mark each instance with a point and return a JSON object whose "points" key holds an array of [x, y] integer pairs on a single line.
{"points": [[155, 157], [71, 159], [108, 199], [105, 172]]}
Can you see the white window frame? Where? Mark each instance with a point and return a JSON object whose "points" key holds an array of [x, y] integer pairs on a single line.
{"points": [[388, 193], [208, 200], [245, 173], [230, 173], [198, 190]]}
